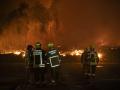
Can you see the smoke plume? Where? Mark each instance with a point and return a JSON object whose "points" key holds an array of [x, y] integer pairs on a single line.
{"points": [[30, 22]]}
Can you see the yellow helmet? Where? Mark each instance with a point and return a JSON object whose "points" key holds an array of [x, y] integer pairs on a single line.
{"points": [[37, 45], [50, 45], [92, 47]]}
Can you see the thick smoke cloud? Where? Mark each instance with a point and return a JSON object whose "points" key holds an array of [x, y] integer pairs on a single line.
{"points": [[28, 23]]}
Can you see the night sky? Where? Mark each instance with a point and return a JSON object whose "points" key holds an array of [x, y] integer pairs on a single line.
{"points": [[82, 22]]}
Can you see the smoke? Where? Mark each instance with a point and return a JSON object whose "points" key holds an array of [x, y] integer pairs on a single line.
{"points": [[30, 22], [88, 22], [72, 23]]}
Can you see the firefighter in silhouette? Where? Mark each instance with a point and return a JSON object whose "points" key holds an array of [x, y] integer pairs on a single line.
{"points": [[85, 62], [39, 64], [53, 58], [94, 59], [29, 62]]}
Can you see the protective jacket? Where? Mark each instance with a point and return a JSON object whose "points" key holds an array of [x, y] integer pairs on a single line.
{"points": [[39, 58], [93, 57], [53, 58]]}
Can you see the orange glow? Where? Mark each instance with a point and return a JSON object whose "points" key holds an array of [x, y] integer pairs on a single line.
{"points": [[76, 52], [100, 55], [72, 53], [17, 52], [23, 55]]}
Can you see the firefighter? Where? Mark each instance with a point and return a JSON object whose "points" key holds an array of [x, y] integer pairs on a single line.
{"points": [[53, 58], [85, 62], [94, 59], [39, 64], [29, 62]]}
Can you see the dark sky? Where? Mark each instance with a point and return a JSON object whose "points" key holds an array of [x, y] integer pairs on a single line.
{"points": [[83, 22]]}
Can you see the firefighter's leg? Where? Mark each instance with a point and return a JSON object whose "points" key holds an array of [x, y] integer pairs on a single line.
{"points": [[27, 74], [85, 70], [89, 70], [53, 74], [30, 75], [57, 74], [48, 74], [93, 71], [42, 74], [36, 74]]}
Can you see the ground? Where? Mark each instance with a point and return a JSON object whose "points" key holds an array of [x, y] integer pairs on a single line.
{"points": [[12, 75]]}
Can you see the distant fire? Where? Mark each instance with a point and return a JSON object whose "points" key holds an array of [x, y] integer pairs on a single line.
{"points": [[100, 55], [15, 52], [19, 53], [72, 53], [75, 52]]}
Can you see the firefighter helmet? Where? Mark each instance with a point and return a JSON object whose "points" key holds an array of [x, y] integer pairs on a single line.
{"points": [[29, 47], [37, 45], [92, 47], [87, 49], [50, 45]]}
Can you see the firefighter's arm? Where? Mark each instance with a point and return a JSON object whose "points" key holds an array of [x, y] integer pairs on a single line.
{"points": [[26, 61], [47, 58], [60, 59], [82, 57], [97, 58]]}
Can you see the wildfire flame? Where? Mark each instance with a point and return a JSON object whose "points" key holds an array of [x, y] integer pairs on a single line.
{"points": [[64, 54], [77, 53], [100, 55], [15, 52], [72, 53]]}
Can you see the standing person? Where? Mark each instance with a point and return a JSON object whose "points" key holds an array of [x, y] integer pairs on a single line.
{"points": [[94, 59], [39, 64], [53, 58], [29, 62], [85, 62]]}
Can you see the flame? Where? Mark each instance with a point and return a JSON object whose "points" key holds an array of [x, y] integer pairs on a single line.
{"points": [[72, 53], [100, 55], [17, 52], [20, 52], [23, 55], [62, 54], [75, 52]]}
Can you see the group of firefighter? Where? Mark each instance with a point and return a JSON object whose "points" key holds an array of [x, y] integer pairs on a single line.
{"points": [[39, 62], [89, 61]]}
